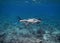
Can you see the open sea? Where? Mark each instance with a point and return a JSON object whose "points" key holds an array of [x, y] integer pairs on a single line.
{"points": [[13, 31]]}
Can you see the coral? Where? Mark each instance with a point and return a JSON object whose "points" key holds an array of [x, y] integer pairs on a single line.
{"points": [[18, 33]]}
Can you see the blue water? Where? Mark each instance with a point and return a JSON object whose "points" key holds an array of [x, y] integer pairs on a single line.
{"points": [[48, 11], [25, 10]]}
